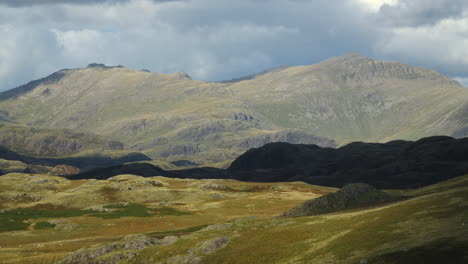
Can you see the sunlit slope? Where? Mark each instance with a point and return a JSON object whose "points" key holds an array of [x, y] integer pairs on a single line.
{"points": [[347, 98], [427, 226], [354, 98], [43, 218]]}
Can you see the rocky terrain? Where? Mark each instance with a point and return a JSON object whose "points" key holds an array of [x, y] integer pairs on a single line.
{"points": [[172, 117]]}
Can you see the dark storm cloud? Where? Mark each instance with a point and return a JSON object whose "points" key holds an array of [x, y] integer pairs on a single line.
{"points": [[422, 12]]}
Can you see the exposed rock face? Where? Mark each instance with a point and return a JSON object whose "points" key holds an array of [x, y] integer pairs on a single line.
{"points": [[63, 170], [351, 196], [52, 142]]}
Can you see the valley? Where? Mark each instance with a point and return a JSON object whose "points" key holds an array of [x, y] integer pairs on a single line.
{"points": [[351, 160]]}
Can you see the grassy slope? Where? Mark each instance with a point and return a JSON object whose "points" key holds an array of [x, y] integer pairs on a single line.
{"points": [[425, 229], [200, 198], [428, 228], [342, 98]]}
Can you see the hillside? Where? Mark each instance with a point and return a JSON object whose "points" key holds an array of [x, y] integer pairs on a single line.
{"points": [[14, 162], [130, 219], [170, 116], [43, 142]]}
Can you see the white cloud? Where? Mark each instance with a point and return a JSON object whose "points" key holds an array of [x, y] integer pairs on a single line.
{"points": [[374, 5], [221, 39], [443, 46]]}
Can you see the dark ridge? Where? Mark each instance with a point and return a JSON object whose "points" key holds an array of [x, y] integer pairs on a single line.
{"points": [[393, 165], [83, 163], [149, 170], [141, 169], [396, 164], [51, 79]]}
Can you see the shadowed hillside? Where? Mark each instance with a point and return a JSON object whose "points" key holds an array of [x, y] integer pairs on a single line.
{"points": [[396, 164], [83, 161], [392, 165]]}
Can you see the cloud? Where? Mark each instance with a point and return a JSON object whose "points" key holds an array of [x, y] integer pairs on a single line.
{"points": [[220, 39], [422, 12], [441, 46], [22, 3], [462, 80]]}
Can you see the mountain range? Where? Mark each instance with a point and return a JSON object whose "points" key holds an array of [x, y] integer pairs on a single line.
{"points": [[172, 117]]}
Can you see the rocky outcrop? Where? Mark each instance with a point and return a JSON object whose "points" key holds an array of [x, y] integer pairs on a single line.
{"points": [[351, 196], [63, 170], [118, 252]]}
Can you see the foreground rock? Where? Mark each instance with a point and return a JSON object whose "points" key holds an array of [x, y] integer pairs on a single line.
{"points": [[351, 196], [117, 252]]}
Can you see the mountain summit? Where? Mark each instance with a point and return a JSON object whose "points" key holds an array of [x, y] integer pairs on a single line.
{"points": [[343, 99]]}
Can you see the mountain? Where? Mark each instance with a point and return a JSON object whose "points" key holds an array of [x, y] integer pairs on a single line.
{"points": [[170, 116], [392, 165]]}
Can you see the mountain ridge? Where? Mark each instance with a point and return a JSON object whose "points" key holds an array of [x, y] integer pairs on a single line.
{"points": [[340, 100]]}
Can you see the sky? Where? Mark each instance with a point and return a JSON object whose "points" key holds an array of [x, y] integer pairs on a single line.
{"points": [[216, 40]]}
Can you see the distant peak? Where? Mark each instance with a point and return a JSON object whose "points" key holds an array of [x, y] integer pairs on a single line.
{"points": [[101, 65]]}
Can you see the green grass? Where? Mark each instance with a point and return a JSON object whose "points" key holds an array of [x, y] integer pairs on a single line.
{"points": [[12, 220], [9, 224], [137, 210], [44, 225]]}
